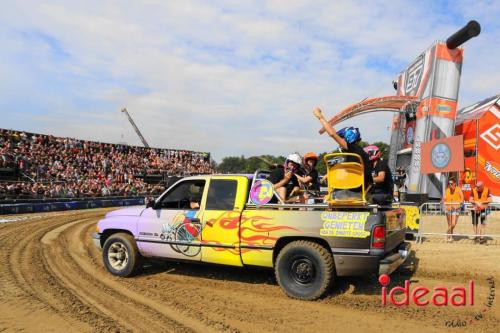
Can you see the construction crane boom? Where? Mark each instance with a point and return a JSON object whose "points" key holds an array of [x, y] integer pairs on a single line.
{"points": [[136, 129]]}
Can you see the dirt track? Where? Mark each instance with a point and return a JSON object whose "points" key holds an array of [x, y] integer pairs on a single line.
{"points": [[52, 279]]}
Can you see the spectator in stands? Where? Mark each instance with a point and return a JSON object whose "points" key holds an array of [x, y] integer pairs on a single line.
{"points": [[453, 199], [480, 198], [85, 168], [348, 139]]}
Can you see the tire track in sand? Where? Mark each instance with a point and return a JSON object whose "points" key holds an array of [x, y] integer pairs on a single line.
{"points": [[129, 308], [32, 279], [184, 297]]}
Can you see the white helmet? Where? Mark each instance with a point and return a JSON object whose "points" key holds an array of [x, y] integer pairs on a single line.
{"points": [[295, 158]]}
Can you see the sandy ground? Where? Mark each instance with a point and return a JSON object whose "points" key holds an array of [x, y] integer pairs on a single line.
{"points": [[52, 280]]}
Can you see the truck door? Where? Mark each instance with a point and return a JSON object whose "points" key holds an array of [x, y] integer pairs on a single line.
{"points": [[172, 229], [221, 220]]}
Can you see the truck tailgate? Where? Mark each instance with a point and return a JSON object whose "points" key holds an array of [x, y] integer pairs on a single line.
{"points": [[395, 228]]}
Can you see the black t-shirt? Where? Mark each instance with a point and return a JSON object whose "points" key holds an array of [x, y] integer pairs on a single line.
{"points": [[313, 185], [278, 174], [355, 149], [387, 186]]}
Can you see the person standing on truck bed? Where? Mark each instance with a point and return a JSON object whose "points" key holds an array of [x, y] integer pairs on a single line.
{"points": [[284, 179], [348, 139], [383, 186]]}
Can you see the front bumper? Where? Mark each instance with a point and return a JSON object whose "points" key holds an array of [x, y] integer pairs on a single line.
{"points": [[390, 263], [96, 239]]}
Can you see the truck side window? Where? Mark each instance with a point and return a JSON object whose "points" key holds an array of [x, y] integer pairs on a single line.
{"points": [[221, 194], [183, 195]]}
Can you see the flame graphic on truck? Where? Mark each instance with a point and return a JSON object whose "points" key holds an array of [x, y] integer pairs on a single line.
{"points": [[254, 231]]}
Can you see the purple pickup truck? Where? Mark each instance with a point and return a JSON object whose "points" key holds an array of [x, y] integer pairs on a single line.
{"points": [[220, 219]]}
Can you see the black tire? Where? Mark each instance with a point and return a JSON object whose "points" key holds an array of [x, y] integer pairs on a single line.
{"points": [[121, 256], [304, 270]]}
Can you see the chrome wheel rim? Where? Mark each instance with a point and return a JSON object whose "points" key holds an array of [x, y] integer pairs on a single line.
{"points": [[118, 256]]}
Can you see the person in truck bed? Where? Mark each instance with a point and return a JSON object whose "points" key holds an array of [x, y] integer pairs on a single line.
{"points": [[284, 179], [310, 177], [382, 189], [348, 139]]}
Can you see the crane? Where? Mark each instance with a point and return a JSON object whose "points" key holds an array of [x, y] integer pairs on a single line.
{"points": [[136, 129]]}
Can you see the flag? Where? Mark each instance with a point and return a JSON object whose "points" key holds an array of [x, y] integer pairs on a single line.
{"points": [[443, 155]]}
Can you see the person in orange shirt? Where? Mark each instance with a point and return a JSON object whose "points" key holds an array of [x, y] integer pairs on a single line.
{"points": [[453, 199], [481, 197]]}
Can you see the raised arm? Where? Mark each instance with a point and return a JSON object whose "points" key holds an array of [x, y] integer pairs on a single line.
{"points": [[329, 129]]}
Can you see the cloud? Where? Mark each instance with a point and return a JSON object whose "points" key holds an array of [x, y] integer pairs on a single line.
{"points": [[230, 78]]}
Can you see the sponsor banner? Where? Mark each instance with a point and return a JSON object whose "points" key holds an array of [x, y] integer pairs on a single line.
{"points": [[23, 208], [344, 224], [409, 134], [493, 170], [444, 155], [492, 136], [433, 77], [488, 150], [480, 126]]}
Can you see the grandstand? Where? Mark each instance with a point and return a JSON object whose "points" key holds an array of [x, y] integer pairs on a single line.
{"points": [[38, 166]]}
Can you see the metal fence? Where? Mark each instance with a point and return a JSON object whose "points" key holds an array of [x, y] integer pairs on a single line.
{"points": [[430, 223]]}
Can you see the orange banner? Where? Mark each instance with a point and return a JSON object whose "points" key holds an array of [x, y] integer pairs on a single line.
{"points": [[443, 155]]}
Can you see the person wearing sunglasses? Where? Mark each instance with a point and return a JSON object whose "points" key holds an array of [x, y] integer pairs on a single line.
{"points": [[453, 199], [481, 197]]}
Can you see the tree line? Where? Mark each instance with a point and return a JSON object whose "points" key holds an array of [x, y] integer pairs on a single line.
{"points": [[242, 164]]}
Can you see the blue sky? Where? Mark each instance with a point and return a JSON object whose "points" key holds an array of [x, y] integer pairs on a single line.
{"points": [[227, 77]]}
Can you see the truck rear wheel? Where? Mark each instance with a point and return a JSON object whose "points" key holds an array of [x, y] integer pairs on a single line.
{"points": [[304, 270], [121, 256]]}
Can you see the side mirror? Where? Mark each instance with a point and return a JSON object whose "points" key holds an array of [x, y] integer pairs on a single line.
{"points": [[150, 203]]}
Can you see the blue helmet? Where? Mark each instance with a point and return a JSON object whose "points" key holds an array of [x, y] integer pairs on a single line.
{"points": [[350, 134]]}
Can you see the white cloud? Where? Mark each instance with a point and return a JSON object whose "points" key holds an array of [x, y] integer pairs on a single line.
{"points": [[230, 78]]}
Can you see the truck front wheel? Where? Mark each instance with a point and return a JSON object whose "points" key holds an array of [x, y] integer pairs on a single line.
{"points": [[121, 256], [304, 270]]}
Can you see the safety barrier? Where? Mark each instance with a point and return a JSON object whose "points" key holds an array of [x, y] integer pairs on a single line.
{"points": [[67, 199], [55, 205], [429, 209]]}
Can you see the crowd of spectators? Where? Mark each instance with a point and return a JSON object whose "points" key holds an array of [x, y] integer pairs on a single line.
{"points": [[40, 190], [66, 167]]}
